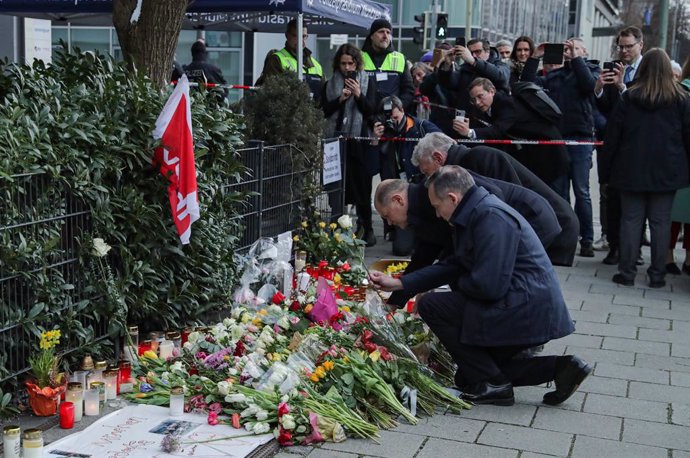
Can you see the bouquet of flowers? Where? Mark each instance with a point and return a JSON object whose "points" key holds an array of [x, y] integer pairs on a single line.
{"points": [[331, 242]]}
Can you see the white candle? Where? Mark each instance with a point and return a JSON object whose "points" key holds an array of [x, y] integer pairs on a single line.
{"points": [[75, 395], [176, 401], [91, 400], [165, 349]]}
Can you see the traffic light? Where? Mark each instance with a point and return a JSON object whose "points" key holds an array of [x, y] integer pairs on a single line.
{"points": [[442, 26], [420, 32]]}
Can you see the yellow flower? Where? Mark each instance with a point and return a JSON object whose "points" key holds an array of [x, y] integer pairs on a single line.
{"points": [[346, 359], [328, 365], [320, 372], [150, 354], [337, 279], [262, 312], [322, 224], [375, 355], [305, 224], [345, 308], [295, 238], [314, 378], [332, 226], [308, 308], [337, 237], [256, 321]]}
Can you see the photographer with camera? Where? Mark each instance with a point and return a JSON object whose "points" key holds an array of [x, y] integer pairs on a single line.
{"points": [[349, 100], [392, 126]]}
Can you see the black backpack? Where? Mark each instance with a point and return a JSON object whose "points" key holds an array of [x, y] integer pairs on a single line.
{"points": [[535, 98]]}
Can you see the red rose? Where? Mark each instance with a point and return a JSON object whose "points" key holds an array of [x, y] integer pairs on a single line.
{"points": [[346, 267], [213, 418], [239, 349], [278, 298], [283, 408], [285, 437], [323, 264], [295, 306]]}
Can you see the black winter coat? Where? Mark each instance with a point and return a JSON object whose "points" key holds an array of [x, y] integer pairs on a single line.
{"points": [[498, 164], [647, 148], [571, 87], [512, 294]]}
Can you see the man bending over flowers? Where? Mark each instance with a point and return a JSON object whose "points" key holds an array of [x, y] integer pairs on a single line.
{"points": [[505, 297]]}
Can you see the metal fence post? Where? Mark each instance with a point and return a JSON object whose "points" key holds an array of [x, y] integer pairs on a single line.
{"points": [[259, 145]]}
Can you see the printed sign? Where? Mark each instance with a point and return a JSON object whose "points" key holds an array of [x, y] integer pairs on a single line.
{"points": [[331, 162]]}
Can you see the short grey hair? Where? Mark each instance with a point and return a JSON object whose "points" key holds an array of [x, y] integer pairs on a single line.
{"points": [[394, 101], [450, 178], [434, 141], [387, 188], [501, 43]]}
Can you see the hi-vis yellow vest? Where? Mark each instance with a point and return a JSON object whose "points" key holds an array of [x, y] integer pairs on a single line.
{"points": [[394, 62], [289, 62], [387, 77]]}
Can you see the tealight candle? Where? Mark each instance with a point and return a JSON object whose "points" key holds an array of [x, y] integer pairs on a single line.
{"points": [[91, 401], [66, 415], [110, 379]]}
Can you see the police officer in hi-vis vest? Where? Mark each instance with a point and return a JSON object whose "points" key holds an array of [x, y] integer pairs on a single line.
{"points": [[387, 67], [286, 60]]}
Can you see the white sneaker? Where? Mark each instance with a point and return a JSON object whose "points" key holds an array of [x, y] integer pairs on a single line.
{"points": [[601, 245]]}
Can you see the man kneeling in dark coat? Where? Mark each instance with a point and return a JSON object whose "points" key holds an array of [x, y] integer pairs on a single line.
{"points": [[506, 297]]}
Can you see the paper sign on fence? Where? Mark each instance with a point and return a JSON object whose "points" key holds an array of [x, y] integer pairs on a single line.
{"points": [[331, 162]]}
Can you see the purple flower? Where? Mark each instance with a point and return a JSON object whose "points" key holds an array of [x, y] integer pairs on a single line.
{"points": [[170, 443], [145, 387]]}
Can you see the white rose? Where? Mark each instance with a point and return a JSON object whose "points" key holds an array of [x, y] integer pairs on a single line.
{"points": [[284, 322], [261, 428], [261, 415], [100, 248], [235, 397], [223, 388], [288, 421], [193, 337], [345, 221]]}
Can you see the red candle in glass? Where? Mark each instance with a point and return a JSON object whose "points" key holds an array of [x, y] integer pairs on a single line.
{"points": [[144, 347], [66, 415], [124, 374]]}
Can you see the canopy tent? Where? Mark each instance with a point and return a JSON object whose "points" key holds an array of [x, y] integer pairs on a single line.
{"points": [[323, 16]]}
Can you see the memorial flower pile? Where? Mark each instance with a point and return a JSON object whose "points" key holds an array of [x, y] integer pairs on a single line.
{"points": [[319, 364]]}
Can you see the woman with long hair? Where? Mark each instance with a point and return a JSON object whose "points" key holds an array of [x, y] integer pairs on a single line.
{"points": [[522, 50], [646, 157], [348, 100]]}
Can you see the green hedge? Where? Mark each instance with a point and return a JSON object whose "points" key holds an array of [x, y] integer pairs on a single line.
{"points": [[85, 122]]}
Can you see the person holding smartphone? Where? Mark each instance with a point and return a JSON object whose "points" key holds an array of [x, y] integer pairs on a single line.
{"points": [[571, 85], [348, 100]]}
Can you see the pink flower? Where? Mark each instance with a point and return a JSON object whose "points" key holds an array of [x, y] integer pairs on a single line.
{"points": [[215, 407], [213, 418], [283, 408]]}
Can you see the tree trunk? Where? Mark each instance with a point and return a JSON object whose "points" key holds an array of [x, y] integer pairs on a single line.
{"points": [[149, 44]]}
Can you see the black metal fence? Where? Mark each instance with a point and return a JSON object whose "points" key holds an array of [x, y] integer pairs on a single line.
{"points": [[35, 207]]}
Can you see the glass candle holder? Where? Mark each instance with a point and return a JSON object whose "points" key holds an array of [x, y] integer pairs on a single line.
{"points": [[300, 260], [176, 401], [11, 441], [101, 394], [125, 384], [166, 349], [144, 346], [66, 415], [110, 379], [175, 337], [133, 332], [75, 395], [32, 446], [91, 402], [80, 377]]}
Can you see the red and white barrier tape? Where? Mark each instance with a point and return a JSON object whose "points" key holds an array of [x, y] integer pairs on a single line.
{"points": [[223, 86], [486, 142]]}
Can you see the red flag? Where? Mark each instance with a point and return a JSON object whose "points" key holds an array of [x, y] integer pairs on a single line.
{"points": [[176, 158]]}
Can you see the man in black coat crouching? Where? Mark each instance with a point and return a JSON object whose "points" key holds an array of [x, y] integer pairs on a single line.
{"points": [[506, 297]]}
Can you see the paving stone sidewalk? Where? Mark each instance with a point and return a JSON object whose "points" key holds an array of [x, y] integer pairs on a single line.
{"points": [[636, 403]]}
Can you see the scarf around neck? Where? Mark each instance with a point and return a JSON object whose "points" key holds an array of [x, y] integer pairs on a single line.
{"points": [[349, 113]]}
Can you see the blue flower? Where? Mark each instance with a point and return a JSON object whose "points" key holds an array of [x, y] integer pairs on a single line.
{"points": [[145, 387]]}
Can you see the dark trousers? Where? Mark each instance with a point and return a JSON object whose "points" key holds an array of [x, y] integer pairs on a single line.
{"points": [[613, 216], [443, 313], [675, 230], [635, 207], [603, 217]]}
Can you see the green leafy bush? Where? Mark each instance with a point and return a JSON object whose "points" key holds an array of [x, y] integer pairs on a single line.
{"points": [[84, 125]]}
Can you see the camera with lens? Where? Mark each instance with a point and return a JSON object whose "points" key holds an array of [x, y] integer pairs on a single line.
{"points": [[385, 117]]}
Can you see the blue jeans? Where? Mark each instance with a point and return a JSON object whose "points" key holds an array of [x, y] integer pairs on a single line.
{"points": [[580, 165]]}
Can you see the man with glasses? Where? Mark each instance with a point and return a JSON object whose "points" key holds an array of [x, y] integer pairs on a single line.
{"points": [[477, 59], [609, 86], [285, 60], [500, 116]]}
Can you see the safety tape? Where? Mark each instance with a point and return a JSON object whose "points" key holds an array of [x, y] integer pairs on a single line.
{"points": [[487, 141], [222, 86]]}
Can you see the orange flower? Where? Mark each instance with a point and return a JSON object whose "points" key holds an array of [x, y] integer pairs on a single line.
{"points": [[308, 308]]}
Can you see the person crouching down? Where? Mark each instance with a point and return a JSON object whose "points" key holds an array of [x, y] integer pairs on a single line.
{"points": [[506, 297]]}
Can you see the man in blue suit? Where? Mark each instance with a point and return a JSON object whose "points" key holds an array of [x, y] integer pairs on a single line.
{"points": [[506, 297]]}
